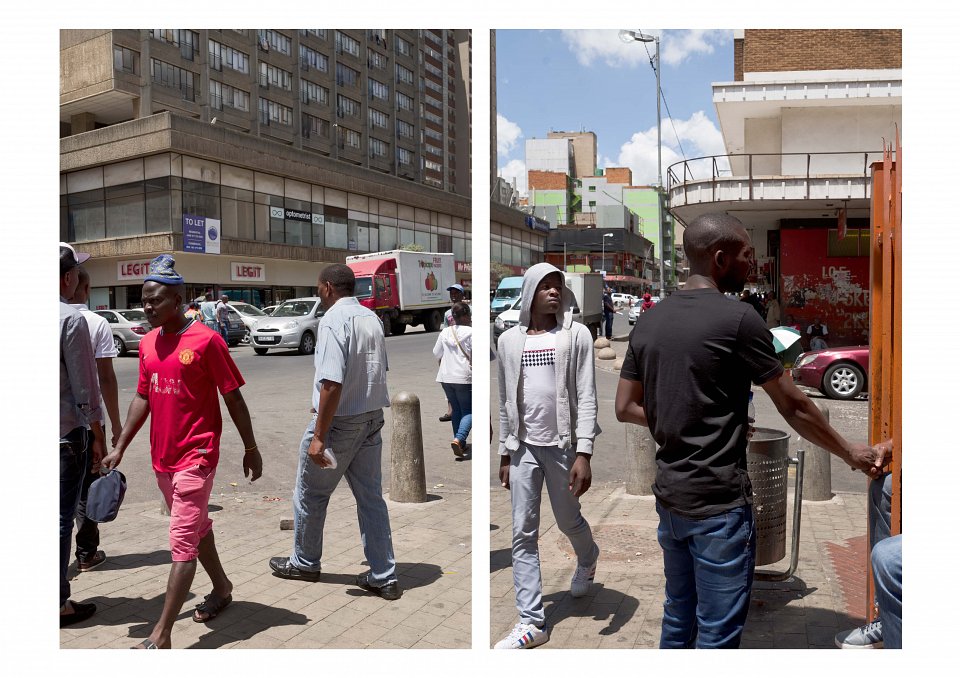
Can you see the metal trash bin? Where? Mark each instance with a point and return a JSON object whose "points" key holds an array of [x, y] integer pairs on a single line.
{"points": [[768, 462]]}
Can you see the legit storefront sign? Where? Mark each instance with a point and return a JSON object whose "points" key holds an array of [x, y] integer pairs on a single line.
{"points": [[241, 271], [133, 270]]}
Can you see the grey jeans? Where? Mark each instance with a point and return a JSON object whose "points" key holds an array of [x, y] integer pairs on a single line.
{"points": [[530, 467]]}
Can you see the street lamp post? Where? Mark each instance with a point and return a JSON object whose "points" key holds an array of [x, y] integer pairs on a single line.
{"points": [[636, 36]]}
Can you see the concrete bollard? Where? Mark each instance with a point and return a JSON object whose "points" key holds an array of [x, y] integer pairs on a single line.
{"points": [[606, 353], [641, 460], [817, 478], [408, 482], [601, 342]]}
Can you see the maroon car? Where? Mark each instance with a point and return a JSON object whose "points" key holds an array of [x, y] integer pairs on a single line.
{"points": [[838, 373]]}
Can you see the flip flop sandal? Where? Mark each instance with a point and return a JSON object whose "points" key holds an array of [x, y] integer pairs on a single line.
{"points": [[211, 606], [145, 644]]}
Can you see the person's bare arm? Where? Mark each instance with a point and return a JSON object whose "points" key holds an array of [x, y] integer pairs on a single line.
{"points": [[806, 419], [237, 407], [111, 394], [137, 414], [628, 403]]}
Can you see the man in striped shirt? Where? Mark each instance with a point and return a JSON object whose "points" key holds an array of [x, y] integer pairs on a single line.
{"points": [[349, 394]]}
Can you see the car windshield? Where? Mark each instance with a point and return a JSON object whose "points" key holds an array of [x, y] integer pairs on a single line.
{"points": [[293, 309], [506, 293], [247, 309], [133, 316], [363, 288]]}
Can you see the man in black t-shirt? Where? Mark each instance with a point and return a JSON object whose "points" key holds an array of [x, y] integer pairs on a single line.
{"points": [[687, 376]]}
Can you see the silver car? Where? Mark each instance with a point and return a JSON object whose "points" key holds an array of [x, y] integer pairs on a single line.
{"points": [[128, 325], [249, 315], [292, 325]]}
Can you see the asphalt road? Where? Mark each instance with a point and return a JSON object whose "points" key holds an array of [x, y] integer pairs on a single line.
{"points": [[849, 418], [278, 392]]}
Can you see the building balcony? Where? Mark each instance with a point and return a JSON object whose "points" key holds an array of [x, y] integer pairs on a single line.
{"points": [[760, 187]]}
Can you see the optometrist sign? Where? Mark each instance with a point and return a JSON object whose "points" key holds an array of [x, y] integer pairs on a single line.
{"points": [[201, 234]]}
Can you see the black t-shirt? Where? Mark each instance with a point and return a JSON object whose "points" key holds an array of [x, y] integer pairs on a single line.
{"points": [[696, 353]]}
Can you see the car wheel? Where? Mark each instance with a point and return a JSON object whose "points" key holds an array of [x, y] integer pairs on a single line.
{"points": [[246, 337], [259, 351], [433, 321], [119, 345], [397, 328], [842, 381], [307, 344]]}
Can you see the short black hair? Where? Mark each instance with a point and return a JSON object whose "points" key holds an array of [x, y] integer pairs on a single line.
{"points": [[82, 276], [341, 277], [708, 233], [67, 261], [460, 310]]}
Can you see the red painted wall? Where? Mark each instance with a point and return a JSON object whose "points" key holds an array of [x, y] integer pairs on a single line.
{"points": [[835, 289]]}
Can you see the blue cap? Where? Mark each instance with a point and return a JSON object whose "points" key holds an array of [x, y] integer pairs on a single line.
{"points": [[161, 271]]}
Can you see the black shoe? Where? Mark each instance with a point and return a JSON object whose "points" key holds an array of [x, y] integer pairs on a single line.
{"points": [[446, 417], [81, 612], [390, 591], [282, 568], [93, 562]]}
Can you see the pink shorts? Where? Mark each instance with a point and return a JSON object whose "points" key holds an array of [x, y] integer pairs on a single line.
{"points": [[187, 493]]}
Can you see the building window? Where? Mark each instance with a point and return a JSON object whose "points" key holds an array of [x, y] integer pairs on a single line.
{"points": [[592, 188], [404, 129], [433, 134], [432, 117], [273, 40], [404, 103], [271, 76], [430, 68], [222, 95], [347, 44], [378, 90], [347, 107], [311, 92], [433, 150], [432, 86], [311, 58], [856, 243], [222, 55], [314, 127], [169, 75], [126, 60], [404, 157], [187, 41], [347, 76], [320, 33], [379, 35], [402, 46], [404, 75], [347, 137], [376, 60], [435, 166], [272, 113], [378, 148], [378, 118]]}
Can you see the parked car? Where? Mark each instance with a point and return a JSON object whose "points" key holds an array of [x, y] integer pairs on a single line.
{"points": [[622, 299], [838, 373], [128, 325], [292, 325], [635, 309], [236, 329], [268, 310], [250, 315], [511, 317]]}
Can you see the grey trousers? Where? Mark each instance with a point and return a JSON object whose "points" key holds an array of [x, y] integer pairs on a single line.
{"points": [[530, 467]]}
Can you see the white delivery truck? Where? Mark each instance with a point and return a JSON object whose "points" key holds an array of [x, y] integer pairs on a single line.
{"points": [[588, 289], [404, 288]]}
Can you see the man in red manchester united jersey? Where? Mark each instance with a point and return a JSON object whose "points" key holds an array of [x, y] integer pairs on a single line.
{"points": [[183, 364]]}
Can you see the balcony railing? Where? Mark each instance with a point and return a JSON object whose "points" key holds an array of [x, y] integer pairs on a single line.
{"points": [[795, 173]]}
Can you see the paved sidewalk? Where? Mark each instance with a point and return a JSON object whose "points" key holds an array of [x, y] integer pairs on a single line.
{"points": [[431, 542], [624, 606]]}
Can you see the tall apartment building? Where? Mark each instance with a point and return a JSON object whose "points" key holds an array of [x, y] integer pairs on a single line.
{"points": [[584, 148], [803, 120], [301, 145]]}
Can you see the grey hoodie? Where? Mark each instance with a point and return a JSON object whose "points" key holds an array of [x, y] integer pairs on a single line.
{"points": [[576, 385]]}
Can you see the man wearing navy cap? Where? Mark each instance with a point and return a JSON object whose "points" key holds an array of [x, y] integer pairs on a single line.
{"points": [[183, 364], [81, 436]]}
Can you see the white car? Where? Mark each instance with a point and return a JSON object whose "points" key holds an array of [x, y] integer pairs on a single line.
{"points": [[635, 309], [292, 325], [622, 299], [249, 315]]}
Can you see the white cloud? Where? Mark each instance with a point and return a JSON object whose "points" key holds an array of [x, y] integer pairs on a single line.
{"points": [[606, 46], [698, 135], [516, 170], [508, 134]]}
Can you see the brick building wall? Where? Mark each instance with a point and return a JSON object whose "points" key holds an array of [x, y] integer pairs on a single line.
{"points": [[619, 175], [816, 50], [539, 180]]}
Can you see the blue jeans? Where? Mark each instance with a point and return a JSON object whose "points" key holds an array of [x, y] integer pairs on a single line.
{"points": [[708, 566], [887, 561], [74, 462], [608, 321], [222, 329], [356, 444], [461, 402], [878, 512]]}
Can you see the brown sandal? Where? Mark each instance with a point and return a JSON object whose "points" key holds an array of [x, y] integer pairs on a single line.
{"points": [[211, 606]]}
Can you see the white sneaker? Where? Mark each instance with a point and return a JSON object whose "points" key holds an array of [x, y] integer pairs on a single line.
{"points": [[583, 577], [866, 637], [523, 637]]}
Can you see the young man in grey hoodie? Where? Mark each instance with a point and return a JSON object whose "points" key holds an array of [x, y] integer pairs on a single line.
{"points": [[548, 422]]}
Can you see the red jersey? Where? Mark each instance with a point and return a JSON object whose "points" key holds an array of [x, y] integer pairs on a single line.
{"points": [[180, 375]]}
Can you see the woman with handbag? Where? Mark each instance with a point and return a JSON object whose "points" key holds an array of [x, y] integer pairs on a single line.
{"points": [[453, 350]]}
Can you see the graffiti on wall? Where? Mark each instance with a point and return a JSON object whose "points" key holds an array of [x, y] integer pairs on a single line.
{"points": [[833, 294]]}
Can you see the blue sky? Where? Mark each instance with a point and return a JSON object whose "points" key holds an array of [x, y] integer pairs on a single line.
{"points": [[589, 79]]}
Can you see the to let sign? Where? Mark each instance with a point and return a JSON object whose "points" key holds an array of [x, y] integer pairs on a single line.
{"points": [[241, 271], [133, 270]]}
